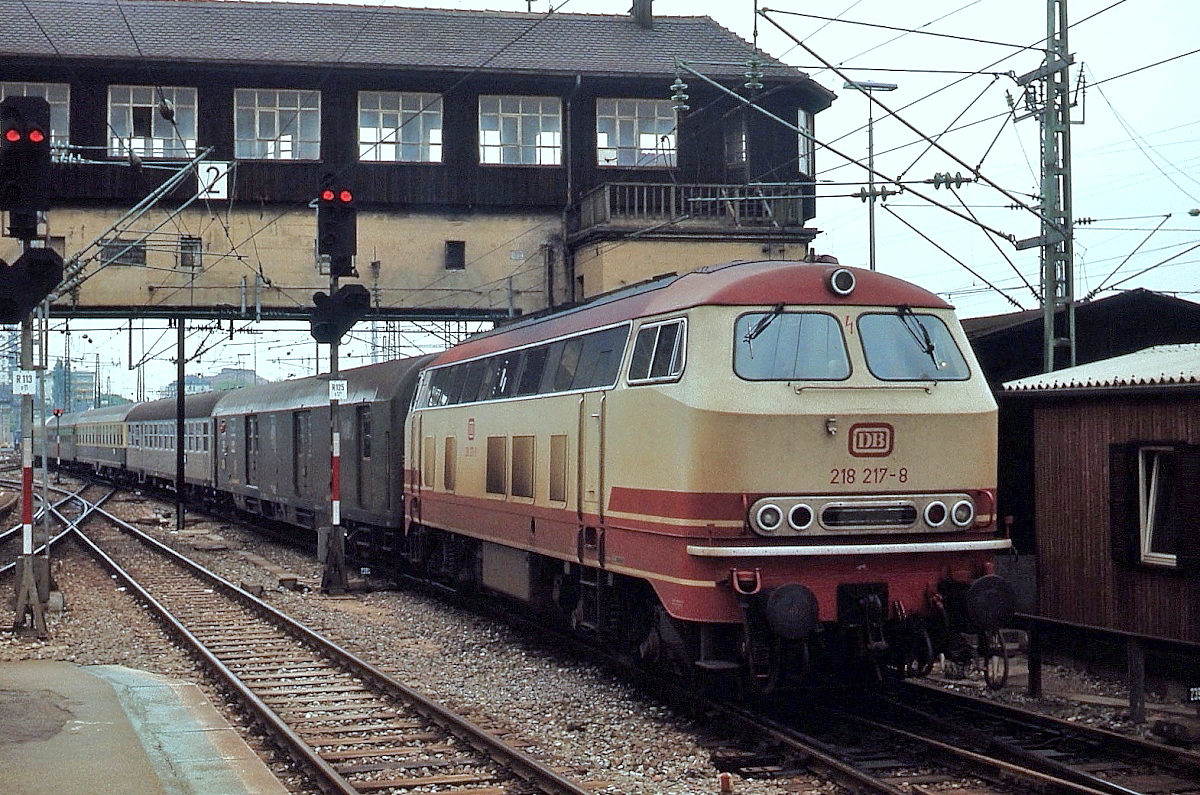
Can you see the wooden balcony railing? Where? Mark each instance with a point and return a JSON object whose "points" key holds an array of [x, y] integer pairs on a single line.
{"points": [[640, 204]]}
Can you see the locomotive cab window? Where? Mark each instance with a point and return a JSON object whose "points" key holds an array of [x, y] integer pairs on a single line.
{"points": [[906, 346], [658, 352], [789, 346]]}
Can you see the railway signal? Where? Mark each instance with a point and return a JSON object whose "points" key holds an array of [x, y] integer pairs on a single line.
{"points": [[27, 282], [334, 315], [337, 224], [24, 162]]}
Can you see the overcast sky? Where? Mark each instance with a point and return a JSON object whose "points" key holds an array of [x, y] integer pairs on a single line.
{"points": [[1135, 154]]}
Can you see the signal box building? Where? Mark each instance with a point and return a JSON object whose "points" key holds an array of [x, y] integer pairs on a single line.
{"points": [[499, 162]]}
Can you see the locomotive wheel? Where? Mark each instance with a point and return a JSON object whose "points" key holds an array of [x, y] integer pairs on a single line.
{"points": [[995, 659], [920, 660]]}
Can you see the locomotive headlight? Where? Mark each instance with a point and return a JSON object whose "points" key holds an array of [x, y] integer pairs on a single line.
{"points": [[800, 517], [842, 282], [935, 513], [768, 517], [963, 513]]}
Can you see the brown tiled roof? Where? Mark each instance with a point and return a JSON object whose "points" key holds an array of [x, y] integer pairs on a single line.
{"points": [[309, 34]]}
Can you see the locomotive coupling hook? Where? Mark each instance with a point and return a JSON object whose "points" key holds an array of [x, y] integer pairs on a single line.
{"points": [[747, 583]]}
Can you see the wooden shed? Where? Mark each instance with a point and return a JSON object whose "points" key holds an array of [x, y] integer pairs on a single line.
{"points": [[1116, 477]]}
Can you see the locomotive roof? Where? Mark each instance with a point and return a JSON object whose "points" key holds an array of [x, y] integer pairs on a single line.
{"points": [[742, 283]]}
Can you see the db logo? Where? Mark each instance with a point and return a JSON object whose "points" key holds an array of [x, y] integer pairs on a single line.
{"points": [[871, 439]]}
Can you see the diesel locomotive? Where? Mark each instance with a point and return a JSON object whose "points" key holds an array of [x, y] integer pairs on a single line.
{"points": [[767, 470]]}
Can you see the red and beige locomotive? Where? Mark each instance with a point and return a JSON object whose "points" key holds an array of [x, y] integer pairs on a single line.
{"points": [[771, 469]]}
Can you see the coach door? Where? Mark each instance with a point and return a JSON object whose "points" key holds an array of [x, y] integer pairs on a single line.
{"points": [[590, 477]]}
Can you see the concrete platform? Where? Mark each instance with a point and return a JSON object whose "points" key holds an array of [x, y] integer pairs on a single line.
{"points": [[97, 730]]}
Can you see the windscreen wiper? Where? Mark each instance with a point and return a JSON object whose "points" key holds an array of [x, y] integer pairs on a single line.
{"points": [[914, 325]]}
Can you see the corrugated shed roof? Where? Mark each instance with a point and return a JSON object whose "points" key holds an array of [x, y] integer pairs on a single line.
{"points": [[1162, 365], [310, 34]]}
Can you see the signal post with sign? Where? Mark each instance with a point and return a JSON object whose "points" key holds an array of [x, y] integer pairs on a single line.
{"points": [[24, 179], [333, 315]]}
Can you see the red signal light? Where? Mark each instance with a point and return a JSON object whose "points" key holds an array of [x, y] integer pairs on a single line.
{"points": [[345, 196], [327, 194], [36, 136], [12, 135]]}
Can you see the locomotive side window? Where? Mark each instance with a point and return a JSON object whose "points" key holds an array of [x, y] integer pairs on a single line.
{"points": [[531, 373], [789, 346], [906, 346], [600, 358], [450, 468], [497, 464], [522, 466], [658, 352], [586, 361], [558, 468]]}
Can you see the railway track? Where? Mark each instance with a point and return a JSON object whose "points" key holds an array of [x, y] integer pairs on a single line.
{"points": [[350, 725], [925, 741]]}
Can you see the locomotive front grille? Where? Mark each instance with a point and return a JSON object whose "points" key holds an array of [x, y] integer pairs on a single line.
{"points": [[867, 515]]}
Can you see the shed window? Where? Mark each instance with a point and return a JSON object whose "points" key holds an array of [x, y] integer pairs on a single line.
{"points": [[137, 122], [525, 131], [276, 125], [1155, 509]]}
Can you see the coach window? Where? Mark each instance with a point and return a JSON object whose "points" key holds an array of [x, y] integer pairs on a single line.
{"points": [[789, 346], [600, 358], [251, 424], [907, 346], [1155, 510], [363, 421], [658, 352]]}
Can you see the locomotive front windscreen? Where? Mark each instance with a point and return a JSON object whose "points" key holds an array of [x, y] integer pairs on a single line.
{"points": [[906, 346], [788, 346]]}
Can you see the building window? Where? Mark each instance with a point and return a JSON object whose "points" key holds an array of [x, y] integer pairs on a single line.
{"points": [[635, 133], [808, 145], [59, 97], [119, 251], [521, 131], [191, 250], [277, 125], [1155, 510], [399, 128], [736, 146], [456, 255], [139, 122]]}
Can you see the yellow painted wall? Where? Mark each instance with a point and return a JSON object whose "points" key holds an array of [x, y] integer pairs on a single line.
{"points": [[276, 243]]}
